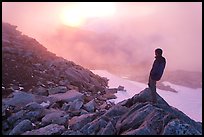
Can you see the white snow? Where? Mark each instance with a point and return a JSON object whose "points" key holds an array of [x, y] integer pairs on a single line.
{"points": [[187, 100]]}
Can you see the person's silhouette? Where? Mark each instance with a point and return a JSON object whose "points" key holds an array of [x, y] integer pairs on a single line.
{"points": [[156, 72]]}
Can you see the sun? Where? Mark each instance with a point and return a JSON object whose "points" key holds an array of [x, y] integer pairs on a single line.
{"points": [[71, 17], [78, 14]]}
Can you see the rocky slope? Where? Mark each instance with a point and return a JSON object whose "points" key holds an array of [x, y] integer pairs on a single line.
{"points": [[47, 95]]}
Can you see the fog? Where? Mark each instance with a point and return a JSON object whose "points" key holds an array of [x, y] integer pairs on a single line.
{"points": [[123, 41]]}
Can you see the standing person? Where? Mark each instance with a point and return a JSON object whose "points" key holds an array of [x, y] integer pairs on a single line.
{"points": [[156, 72]]}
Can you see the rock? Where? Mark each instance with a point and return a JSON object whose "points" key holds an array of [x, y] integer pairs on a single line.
{"points": [[116, 110], [111, 90], [76, 74], [65, 106], [20, 99], [52, 129], [63, 82], [94, 127], [75, 105], [78, 122], [16, 116], [104, 105], [140, 131], [56, 90], [74, 113], [134, 117], [83, 112], [109, 96], [70, 95], [72, 87], [90, 106], [55, 118], [109, 129], [5, 125], [177, 127], [120, 88], [40, 91], [102, 98], [88, 98], [32, 106], [23, 126], [33, 115], [72, 132]]}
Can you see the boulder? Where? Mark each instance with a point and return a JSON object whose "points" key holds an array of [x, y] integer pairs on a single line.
{"points": [[56, 90], [94, 127], [20, 99], [75, 105], [22, 127], [32, 106], [57, 117], [116, 110], [71, 132], [40, 91], [70, 95], [78, 122], [52, 129], [109, 129], [177, 127], [16, 116], [120, 88], [109, 96], [90, 106]]}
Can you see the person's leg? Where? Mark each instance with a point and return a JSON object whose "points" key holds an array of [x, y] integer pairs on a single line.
{"points": [[152, 86]]}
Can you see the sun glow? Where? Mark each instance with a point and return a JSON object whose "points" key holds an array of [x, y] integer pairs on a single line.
{"points": [[78, 14]]}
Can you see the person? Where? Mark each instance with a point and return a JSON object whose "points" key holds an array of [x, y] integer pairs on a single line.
{"points": [[156, 72]]}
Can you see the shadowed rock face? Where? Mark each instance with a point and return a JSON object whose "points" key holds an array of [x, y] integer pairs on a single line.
{"points": [[47, 95], [143, 117]]}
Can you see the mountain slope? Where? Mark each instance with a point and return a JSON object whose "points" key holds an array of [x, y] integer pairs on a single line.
{"points": [[47, 95], [27, 64]]}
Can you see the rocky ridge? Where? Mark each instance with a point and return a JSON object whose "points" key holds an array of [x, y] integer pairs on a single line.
{"points": [[47, 95]]}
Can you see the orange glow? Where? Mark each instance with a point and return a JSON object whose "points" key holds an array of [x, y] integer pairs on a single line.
{"points": [[78, 14]]}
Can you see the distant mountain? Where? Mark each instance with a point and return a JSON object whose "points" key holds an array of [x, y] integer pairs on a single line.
{"points": [[44, 94]]}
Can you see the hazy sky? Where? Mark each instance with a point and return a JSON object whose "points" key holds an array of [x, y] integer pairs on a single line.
{"points": [[136, 29]]}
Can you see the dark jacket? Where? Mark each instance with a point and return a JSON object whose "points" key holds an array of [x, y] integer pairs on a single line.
{"points": [[158, 68]]}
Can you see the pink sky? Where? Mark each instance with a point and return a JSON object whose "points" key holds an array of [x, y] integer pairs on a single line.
{"points": [[139, 28]]}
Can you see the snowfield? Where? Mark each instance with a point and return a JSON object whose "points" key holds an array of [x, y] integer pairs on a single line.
{"points": [[187, 100]]}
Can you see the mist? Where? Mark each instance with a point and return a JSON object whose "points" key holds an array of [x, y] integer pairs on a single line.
{"points": [[125, 41]]}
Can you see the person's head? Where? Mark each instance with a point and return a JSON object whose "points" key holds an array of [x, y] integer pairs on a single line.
{"points": [[158, 52]]}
